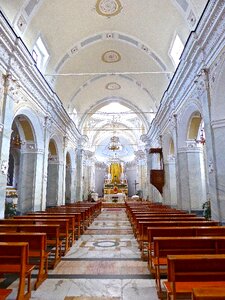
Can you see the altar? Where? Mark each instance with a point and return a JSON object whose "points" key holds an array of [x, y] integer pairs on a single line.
{"points": [[119, 197], [115, 184]]}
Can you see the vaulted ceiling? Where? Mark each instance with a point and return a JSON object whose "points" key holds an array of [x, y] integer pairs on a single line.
{"points": [[103, 51]]}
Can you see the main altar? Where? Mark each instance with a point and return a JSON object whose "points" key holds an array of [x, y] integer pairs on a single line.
{"points": [[115, 184]]}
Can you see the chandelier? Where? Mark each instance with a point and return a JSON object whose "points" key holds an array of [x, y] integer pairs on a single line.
{"points": [[114, 144]]}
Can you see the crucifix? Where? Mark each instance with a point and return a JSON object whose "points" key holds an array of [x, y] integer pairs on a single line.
{"points": [[135, 186]]}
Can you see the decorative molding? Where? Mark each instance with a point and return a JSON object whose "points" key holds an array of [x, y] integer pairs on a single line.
{"points": [[112, 86], [218, 123], [4, 167], [111, 56], [108, 8]]}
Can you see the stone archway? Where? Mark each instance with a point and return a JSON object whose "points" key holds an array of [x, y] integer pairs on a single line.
{"points": [[191, 161], [53, 175], [22, 162]]}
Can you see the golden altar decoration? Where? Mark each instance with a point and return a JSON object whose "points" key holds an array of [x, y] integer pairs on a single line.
{"points": [[116, 184]]}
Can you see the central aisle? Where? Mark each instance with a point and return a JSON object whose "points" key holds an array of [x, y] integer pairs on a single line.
{"points": [[103, 264]]}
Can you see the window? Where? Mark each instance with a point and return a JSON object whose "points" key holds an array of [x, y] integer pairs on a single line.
{"points": [[40, 54], [176, 50]]}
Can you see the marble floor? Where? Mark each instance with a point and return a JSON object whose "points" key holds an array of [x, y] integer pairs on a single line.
{"points": [[104, 264]]}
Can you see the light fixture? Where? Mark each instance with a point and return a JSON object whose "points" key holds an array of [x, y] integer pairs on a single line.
{"points": [[114, 144], [16, 141], [201, 138]]}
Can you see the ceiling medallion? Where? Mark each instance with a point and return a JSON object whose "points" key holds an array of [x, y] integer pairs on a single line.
{"points": [[111, 56], [112, 86], [108, 8]]}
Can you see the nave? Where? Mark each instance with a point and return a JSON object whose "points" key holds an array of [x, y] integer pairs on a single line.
{"points": [[104, 264]]}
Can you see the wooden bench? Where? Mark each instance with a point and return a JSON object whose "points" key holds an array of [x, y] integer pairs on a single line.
{"points": [[51, 217], [143, 230], [14, 260], [52, 233], [164, 246], [84, 214], [212, 293], [38, 254], [64, 234], [76, 215], [174, 231], [4, 293], [163, 217], [186, 272]]}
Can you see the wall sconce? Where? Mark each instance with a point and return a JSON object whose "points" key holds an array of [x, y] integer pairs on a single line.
{"points": [[201, 139], [16, 141]]}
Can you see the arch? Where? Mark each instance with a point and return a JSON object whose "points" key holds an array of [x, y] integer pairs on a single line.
{"points": [[101, 36], [25, 125], [35, 124], [168, 145], [57, 145], [192, 111], [103, 102]]}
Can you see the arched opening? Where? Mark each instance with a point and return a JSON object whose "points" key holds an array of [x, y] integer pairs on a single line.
{"points": [[196, 161], [53, 175], [22, 165]]}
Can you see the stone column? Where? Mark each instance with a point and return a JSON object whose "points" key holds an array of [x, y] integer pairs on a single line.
{"points": [[68, 182], [30, 178], [192, 176], [211, 143], [47, 125], [177, 165], [73, 174], [149, 166], [170, 190], [53, 181], [8, 94], [79, 179], [62, 174]]}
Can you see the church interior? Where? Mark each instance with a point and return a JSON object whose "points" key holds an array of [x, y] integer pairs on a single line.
{"points": [[112, 118]]}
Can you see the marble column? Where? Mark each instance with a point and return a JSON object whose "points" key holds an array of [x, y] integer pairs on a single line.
{"points": [[52, 196], [68, 184], [47, 126], [170, 188], [79, 179], [192, 176], [30, 178], [149, 166], [214, 140], [8, 91]]}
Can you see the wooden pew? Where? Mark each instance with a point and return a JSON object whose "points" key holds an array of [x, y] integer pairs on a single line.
{"points": [[186, 272], [76, 215], [37, 250], [174, 231], [164, 246], [64, 234], [84, 214], [4, 293], [14, 260], [142, 234], [34, 217], [212, 293], [52, 233], [163, 217]]}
